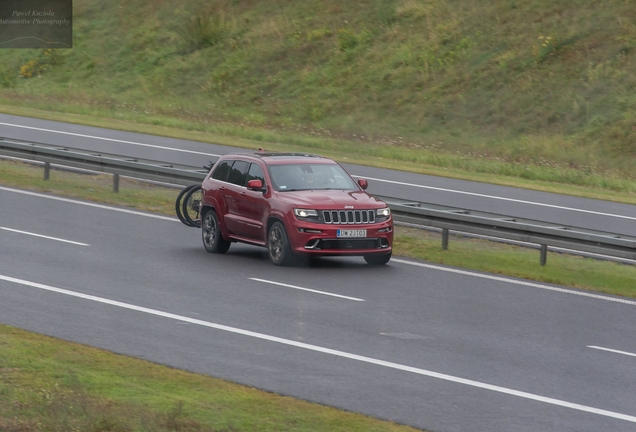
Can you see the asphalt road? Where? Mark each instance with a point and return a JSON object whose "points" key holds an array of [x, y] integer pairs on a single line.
{"points": [[426, 345], [572, 211]]}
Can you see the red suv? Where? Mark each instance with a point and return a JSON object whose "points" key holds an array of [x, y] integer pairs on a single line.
{"points": [[292, 204]]}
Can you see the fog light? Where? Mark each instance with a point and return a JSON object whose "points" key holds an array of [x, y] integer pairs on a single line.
{"points": [[384, 230], [309, 231]]}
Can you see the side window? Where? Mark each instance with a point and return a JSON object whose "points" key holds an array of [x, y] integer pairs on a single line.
{"points": [[221, 170], [237, 173], [255, 173]]}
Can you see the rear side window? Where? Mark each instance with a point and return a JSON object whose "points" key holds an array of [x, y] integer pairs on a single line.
{"points": [[255, 173], [220, 172], [237, 173]]}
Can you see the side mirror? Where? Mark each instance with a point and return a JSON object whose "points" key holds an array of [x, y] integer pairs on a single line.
{"points": [[255, 184], [364, 184]]}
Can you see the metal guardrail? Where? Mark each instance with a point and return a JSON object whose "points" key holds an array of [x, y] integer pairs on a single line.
{"points": [[422, 214], [102, 162], [511, 228]]}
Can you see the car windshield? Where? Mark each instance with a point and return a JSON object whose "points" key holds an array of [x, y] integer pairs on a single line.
{"points": [[295, 177]]}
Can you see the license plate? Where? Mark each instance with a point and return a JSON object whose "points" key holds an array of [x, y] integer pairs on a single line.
{"points": [[351, 233]]}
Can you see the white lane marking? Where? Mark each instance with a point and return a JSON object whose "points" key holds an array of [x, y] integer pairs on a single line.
{"points": [[369, 178], [499, 198], [305, 289], [337, 353], [100, 206], [110, 139], [516, 282], [43, 236], [612, 350]]}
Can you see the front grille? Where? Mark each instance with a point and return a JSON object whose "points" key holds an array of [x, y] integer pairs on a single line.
{"points": [[348, 216], [344, 244]]}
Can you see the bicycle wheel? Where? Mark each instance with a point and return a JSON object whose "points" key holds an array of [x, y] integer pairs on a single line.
{"points": [[191, 206], [178, 205]]}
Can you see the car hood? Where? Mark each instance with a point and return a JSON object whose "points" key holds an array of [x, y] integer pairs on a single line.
{"points": [[331, 199]]}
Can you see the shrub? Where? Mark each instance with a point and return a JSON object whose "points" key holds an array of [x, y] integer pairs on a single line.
{"points": [[204, 29]]}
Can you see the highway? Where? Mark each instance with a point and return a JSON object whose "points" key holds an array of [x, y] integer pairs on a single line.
{"points": [[554, 208], [439, 348]]}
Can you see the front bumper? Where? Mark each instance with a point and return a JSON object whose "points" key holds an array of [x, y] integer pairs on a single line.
{"points": [[321, 239]]}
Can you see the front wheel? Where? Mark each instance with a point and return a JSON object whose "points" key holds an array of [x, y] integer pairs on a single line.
{"points": [[377, 259], [278, 245], [213, 241]]}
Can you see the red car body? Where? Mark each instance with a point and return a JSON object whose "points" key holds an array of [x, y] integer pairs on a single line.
{"points": [[293, 204]]}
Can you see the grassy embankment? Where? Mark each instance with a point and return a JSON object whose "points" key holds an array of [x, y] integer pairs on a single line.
{"points": [[537, 94]]}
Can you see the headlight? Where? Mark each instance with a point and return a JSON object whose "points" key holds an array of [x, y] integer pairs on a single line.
{"points": [[383, 212], [306, 213]]}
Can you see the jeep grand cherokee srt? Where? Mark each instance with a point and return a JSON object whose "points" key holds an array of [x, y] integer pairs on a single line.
{"points": [[292, 204]]}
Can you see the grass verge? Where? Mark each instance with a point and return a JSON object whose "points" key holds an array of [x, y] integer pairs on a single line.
{"points": [[394, 155], [48, 384], [481, 255]]}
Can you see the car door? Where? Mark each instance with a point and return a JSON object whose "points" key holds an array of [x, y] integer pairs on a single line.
{"points": [[232, 195], [253, 206], [214, 187]]}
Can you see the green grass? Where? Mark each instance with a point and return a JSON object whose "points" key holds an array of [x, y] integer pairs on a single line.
{"points": [[517, 261], [537, 93], [48, 384], [554, 180]]}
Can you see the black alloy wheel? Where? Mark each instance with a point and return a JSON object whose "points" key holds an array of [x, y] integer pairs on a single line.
{"points": [[278, 245], [213, 241]]}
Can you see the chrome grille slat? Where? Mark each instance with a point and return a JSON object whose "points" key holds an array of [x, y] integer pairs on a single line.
{"points": [[342, 217]]}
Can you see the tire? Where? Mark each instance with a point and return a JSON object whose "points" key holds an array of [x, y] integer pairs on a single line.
{"points": [[213, 241], [191, 206], [178, 205], [278, 245], [377, 259]]}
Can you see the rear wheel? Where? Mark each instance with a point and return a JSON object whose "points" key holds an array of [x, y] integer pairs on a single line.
{"points": [[278, 245], [213, 241], [377, 259]]}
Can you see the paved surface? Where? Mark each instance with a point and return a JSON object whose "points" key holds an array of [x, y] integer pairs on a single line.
{"points": [[430, 346]]}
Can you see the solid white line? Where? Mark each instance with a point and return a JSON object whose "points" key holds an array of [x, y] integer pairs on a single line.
{"points": [[305, 289], [342, 354], [100, 206], [110, 139], [516, 282], [43, 236], [612, 350], [499, 198]]}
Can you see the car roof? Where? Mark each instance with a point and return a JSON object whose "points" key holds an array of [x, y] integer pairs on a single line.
{"points": [[274, 158]]}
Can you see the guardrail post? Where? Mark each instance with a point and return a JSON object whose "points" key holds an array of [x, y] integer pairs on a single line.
{"points": [[116, 183], [47, 170], [444, 238], [544, 254]]}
